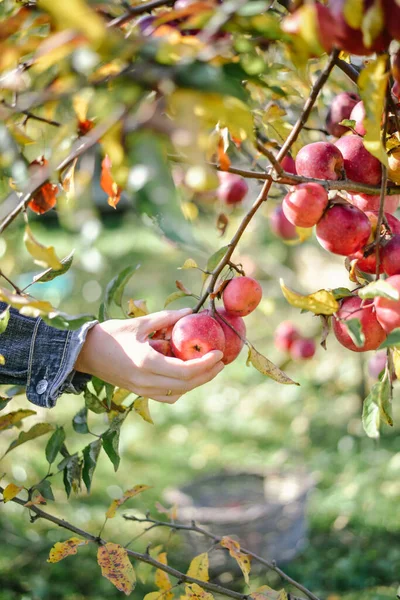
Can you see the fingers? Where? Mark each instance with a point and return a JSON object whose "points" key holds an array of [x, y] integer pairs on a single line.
{"points": [[166, 399], [161, 385], [179, 369], [161, 319]]}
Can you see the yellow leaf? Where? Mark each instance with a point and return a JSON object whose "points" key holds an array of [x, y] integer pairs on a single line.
{"points": [[137, 489], [189, 264], [44, 256], [137, 308], [26, 305], [2, 360], [195, 592], [116, 567], [162, 579], [273, 111], [198, 568], [15, 417], [61, 550], [243, 560], [80, 104], [141, 406], [267, 593], [372, 23], [372, 83], [304, 234], [158, 595], [77, 15], [266, 367], [321, 302], [120, 395], [11, 491], [396, 362], [353, 11], [19, 135]]}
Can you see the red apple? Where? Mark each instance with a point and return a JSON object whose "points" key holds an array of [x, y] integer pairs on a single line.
{"points": [[321, 160], [358, 115], [359, 164], [285, 335], [163, 334], [371, 203], [232, 188], [392, 18], [288, 164], [281, 226], [241, 296], [161, 346], [393, 223], [351, 309], [343, 229], [377, 363], [195, 335], [388, 311], [341, 107], [395, 66], [367, 264], [233, 342], [305, 204], [394, 166], [321, 23], [302, 349], [390, 254], [396, 91]]}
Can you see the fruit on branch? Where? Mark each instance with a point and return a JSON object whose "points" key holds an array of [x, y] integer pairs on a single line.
{"points": [[358, 115], [321, 160], [344, 229], [388, 311], [395, 66], [371, 203], [341, 107], [359, 164], [390, 256], [305, 204], [364, 311], [233, 342], [161, 346], [302, 349], [367, 264], [314, 24], [377, 363], [241, 296], [232, 188], [195, 335], [351, 40], [288, 164], [392, 221], [285, 335], [394, 166], [280, 226], [391, 11]]}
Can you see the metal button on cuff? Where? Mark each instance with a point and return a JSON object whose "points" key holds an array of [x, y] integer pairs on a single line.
{"points": [[42, 386]]}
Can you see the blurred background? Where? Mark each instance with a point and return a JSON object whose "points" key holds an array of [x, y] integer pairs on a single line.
{"points": [[241, 422]]}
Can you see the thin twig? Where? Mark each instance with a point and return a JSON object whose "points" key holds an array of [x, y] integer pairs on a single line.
{"points": [[350, 70], [135, 11], [16, 288], [383, 185]]}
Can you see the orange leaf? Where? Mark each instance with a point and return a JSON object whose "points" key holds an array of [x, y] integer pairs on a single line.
{"points": [[107, 183], [44, 198], [11, 491], [85, 126], [37, 500], [61, 550], [243, 560], [223, 158], [116, 567], [137, 489]]}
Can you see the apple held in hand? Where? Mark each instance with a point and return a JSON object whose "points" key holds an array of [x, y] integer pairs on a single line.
{"points": [[343, 229], [161, 346], [305, 204], [195, 335], [280, 225], [233, 342], [241, 296], [341, 108], [320, 160], [351, 309]]}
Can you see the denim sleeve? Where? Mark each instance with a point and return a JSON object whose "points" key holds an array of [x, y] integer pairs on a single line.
{"points": [[41, 358]]}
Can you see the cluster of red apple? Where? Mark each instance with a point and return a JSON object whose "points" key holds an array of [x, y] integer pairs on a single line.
{"points": [[289, 339], [225, 330]]}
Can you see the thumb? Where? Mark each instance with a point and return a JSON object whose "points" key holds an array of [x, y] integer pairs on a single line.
{"points": [[159, 320]]}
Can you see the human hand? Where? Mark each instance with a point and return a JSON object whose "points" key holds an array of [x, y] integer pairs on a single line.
{"points": [[118, 352]]}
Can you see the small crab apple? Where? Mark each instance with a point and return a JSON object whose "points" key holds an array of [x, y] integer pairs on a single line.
{"points": [[359, 164], [321, 160], [161, 346], [388, 311], [195, 335], [288, 164], [241, 296], [285, 335], [341, 107], [358, 115], [280, 226], [344, 229], [364, 311], [232, 188], [366, 202], [390, 254], [305, 204], [302, 349], [234, 342]]}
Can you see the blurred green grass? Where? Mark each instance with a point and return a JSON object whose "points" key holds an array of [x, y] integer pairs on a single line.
{"points": [[240, 420]]}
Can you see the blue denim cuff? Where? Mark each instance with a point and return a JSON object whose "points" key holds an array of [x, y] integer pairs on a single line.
{"points": [[53, 353]]}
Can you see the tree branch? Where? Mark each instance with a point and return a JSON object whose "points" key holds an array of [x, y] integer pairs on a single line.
{"points": [[216, 539], [383, 184], [135, 11]]}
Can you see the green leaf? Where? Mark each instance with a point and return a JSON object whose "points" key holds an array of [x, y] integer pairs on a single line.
{"points": [[51, 274], [341, 292], [116, 287], [93, 403], [4, 401], [206, 78], [72, 474], [90, 456], [385, 405], [63, 321], [79, 422], [98, 384], [34, 432], [109, 394], [44, 487], [111, 441], [393, 339], [348, 123], [4, 318], [175, 296], [54, 444], [379, 288], [377, 407], [355, 331], [214, 260], [256, 7]]}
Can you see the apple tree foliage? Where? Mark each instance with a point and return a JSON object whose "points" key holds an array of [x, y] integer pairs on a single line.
{"points": [[167, 96]]}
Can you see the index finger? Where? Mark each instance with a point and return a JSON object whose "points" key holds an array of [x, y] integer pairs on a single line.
{"points": [[180, 369]]}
